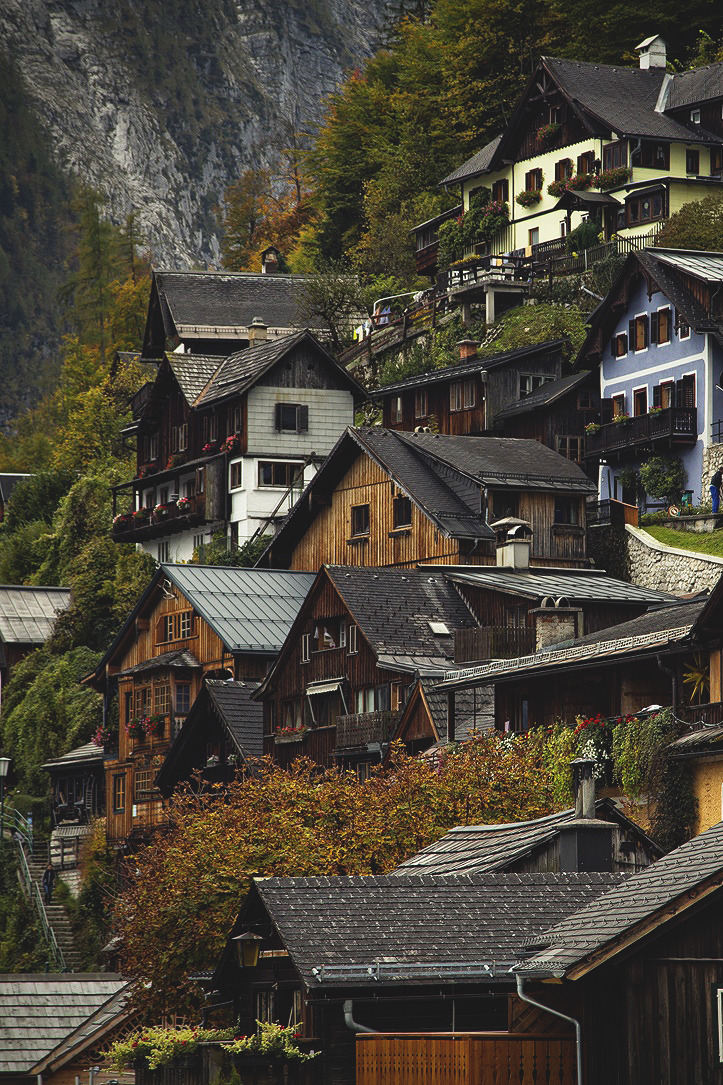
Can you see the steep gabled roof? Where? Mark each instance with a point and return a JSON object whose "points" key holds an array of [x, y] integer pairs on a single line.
{"points": [[44, 1018], [193, 372], [482, 849], [27, 615], [81, 755], [466, 369], [394, 608], [480, 162], [240, 371], [696, 86], [638, 907], [544, 396], [349, 931]]}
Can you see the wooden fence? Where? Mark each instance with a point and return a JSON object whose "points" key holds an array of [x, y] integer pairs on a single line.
{"points": [[491, 1058]]}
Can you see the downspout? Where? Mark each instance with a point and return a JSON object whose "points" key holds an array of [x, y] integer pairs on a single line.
{"points": [[349, 1020], [557, 1013], [673, 681]]}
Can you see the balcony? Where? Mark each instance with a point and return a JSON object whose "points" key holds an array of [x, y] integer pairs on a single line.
{"points": [[664, 428], [486, 271], [134, 528], [493, 642], [365, 728]]}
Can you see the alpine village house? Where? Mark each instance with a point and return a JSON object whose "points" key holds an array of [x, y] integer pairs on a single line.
{"points": [[625, 147]]}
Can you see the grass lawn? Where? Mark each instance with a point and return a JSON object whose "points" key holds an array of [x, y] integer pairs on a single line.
{"points": [[687, 540]]}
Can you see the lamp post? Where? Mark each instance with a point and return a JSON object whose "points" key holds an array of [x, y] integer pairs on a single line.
{"points": [[4, 766]]}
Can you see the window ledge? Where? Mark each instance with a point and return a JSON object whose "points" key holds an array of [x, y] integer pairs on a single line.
{"points": [[357, 540], [398, 532]]}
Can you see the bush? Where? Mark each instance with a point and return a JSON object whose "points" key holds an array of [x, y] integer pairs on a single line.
{"points": [[584, 236], [664, 477]]}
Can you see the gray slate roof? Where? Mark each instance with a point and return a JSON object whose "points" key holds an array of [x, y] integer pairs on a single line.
{"points": [[193, 372], [478, 365], [198, 300], [251, 610], [699, 85], [483, 849], [27, 615], [81, 755], [474, 710], [576, 585], [393, 609], [650, 893], [418, 928], [544, 396], [182, 659], [39, 1013], [242, 716], [478, 163]]}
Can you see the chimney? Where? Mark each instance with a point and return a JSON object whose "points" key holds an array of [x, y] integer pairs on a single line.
{"points": [[586, 843], [514, 541], [257, 331], [652, 52], [270, 261], [555, 622], [467, 350]]}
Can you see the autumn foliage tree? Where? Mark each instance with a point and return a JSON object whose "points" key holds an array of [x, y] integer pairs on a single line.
{"points": [[185, 888]]}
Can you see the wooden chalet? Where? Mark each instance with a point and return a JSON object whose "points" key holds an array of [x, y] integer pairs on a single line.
{"points": [[222, 736], [466, 398], [77, 783], [213, 312], [555, 414], [613, 672], [385, 497], [27, 617], [192, 622], [638, 972], [53, 1027], [418, 956], [227, 443], [352, 656]]}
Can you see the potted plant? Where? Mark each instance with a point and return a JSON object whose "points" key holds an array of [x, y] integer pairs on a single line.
{"points": [[654, 412], [547, 133], [122, 518], [136, 729], [153, 725], [141, 514], [184, 505], [592, 428], [529, 197], [231, 443], [160, 512], [102, 737], [290, 734], [613, 178], [622, 419], [209, 448]]}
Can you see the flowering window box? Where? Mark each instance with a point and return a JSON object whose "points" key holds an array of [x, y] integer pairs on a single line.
{"points": [[290, 734], [184, 506], [529, 197], [210, 448]]}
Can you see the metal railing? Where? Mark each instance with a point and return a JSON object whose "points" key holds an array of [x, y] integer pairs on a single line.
{"points": [[18, 827], [33, 894]]}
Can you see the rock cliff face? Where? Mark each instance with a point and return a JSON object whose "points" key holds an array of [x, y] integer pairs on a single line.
{"points": [[160, 104]]}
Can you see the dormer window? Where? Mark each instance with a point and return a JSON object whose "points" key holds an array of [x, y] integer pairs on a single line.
{"points": [[695, 116]]}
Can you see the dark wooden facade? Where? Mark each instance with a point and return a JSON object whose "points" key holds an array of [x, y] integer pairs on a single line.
{"points": [[561, 424]]}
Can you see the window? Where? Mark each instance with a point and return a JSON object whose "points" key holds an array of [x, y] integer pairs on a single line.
{"points": [[236, 475], [210, 428], [619, 345], [618, 403], [654, 156], [638, 330], [292, 418], [533, 237], [644, 208], [461, 395], [586, 162], [306, 647], [695, 116], [501, 190], [615, 155], [660, 327], [292, 713], [179, 438], [352, 637], [162, 699], [692, 162], [504, 503], [152, 446], [716, 161], [530, 381], [533, 180], [373, 699], [572, 448], [360, 520], [685, 391], [198, 541], [328, 633], [177, 626], [183, 698], [236, 419], [396, 409], [164, 552], [563, 169], [402, 512], [265, 1005], [566, 510], [119, 794], [279, 473], [682, 325], [640, 402], [420, 403], [664, 394], [143, 785], [555, 114]]}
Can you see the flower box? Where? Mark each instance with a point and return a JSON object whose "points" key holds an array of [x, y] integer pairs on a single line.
{"points": [[547, 133], [290, 734], [622, 419], [184, 505], [529, 197], [591, 428], [141, 514], [613, 178], [210, 448]]}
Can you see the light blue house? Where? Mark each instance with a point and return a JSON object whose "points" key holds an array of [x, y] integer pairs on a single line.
{"points": [[658, 340]]}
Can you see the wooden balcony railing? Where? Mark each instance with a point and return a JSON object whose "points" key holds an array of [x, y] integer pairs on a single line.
{"points": [[709, 714], [617, 513], [484, 270], [131, 528], [493, 642], [672, 425], [364, 728]]}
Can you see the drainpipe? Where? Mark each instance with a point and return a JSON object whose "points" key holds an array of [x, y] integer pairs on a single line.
{"points": [[556, 1013], [673, 682], [349, 1020]]}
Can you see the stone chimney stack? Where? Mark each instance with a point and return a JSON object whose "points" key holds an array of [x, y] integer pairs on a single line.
{"points": [[652, 52], [257, 331], [270, 261], [467, 350]]}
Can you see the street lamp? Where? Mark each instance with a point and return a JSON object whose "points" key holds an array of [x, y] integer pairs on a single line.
{"points": [[247, 949], [4, 766]]}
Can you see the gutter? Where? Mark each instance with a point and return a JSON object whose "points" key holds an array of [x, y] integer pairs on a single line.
{"points": [[349, 1019], [571, 1020]]}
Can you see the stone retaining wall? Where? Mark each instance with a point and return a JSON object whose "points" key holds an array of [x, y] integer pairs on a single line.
{"points": [[652, 564]]}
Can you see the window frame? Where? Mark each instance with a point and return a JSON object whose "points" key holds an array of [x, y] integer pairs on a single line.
{"points": [[235, 475], [421, 399], [401, 505], [692, 159], [119, 793], [615, 155], [360, 521], [291, 477], [619, 345], [306, 647], [301, 417], [534, 180], [352, 640], [396, 409]]}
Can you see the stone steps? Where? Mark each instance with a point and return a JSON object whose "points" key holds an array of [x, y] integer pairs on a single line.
{"points": [[57, 916]]}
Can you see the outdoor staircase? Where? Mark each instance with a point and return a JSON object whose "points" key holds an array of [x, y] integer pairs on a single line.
{"points": [[57, 916]]}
